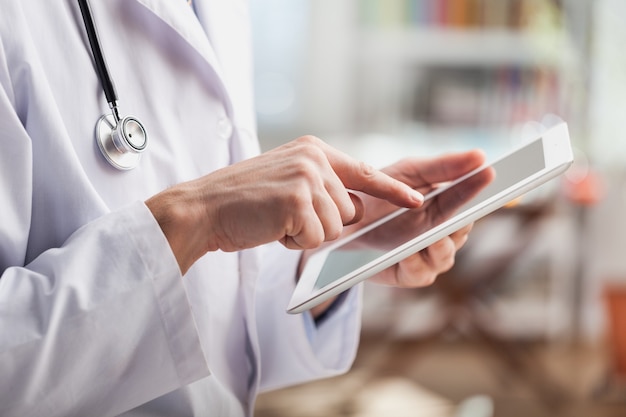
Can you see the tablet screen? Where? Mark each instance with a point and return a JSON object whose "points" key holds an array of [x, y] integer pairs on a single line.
{"points": [[439, 206]]}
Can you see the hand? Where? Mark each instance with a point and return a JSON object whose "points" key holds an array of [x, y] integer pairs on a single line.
{"points": [[423, 267], [296, 194]]}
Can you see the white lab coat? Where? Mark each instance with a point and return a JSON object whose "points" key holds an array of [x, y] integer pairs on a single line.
{"points": [[95, 319]]}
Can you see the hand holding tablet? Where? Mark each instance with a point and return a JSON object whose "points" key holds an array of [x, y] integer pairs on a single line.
{"points": [[447, 209]]}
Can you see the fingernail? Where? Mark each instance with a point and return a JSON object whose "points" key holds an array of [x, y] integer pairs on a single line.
{"points": [[417, 196]]}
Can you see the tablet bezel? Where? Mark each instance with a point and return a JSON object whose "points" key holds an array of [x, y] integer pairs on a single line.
{"points": [[557, 158]]}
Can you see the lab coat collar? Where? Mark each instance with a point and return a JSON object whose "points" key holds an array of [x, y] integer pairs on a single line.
{"points": [[176, 16]]}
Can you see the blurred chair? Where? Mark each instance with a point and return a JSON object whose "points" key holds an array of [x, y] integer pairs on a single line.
{"points": [[465, 292]]}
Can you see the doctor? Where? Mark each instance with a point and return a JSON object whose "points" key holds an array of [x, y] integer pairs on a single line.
{"points": [[157, 291]]}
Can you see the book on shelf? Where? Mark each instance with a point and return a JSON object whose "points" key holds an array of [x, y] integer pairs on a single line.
{"points": [[457, 14], [485, 97]]}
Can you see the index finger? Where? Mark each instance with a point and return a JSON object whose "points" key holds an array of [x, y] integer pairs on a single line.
{"points": [[360, 176]]}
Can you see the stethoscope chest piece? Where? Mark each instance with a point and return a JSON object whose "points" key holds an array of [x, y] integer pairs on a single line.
{"points": [[121, 142]]}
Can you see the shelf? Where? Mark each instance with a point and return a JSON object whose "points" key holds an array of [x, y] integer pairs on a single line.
{"points": [[464, 47]]}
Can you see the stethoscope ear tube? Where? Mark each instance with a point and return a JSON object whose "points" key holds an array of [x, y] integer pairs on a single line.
{"points": [[98, 56]]}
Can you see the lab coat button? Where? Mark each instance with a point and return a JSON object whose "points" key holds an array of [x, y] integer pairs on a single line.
{"points": [[224, 128]]}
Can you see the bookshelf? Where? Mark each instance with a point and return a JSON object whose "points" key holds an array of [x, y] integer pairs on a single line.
{"points": [[457, 65], [445, 73], [462, 47], [458, 71]]}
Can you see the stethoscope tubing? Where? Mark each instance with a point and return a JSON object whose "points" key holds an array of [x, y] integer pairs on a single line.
{"points": [[96, 49]]}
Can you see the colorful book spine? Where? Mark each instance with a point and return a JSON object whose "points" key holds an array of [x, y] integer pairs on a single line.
{"points": [[511, 14]]}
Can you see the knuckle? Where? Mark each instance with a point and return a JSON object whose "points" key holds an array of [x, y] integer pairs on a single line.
{"points": [[298, 202], [429, 279], [334, 231], [448, 264], [311, 239], [308, 140], [306, 165], [366, 170], [310, 172], [446, 257], [309, 147]]}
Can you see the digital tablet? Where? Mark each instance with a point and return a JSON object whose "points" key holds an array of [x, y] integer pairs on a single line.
{"points": [[446, 209]]}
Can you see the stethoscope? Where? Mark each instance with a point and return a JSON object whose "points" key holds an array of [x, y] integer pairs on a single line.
{"points": [[121, 140]]}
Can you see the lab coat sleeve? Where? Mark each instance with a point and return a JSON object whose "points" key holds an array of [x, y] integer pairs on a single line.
{"points": [[291, 351], [97, 326]]}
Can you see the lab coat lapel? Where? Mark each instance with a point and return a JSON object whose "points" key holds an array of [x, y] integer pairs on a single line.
{"points": [[190, 30]]}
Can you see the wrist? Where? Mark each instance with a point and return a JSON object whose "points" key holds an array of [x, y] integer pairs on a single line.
{"points": [[180, 219]]}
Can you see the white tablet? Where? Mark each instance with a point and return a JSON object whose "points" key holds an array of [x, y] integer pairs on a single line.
{"points": [[447, 209]]}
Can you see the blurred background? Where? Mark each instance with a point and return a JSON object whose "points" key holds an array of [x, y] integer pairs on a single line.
{"points": [[531, 321]]}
